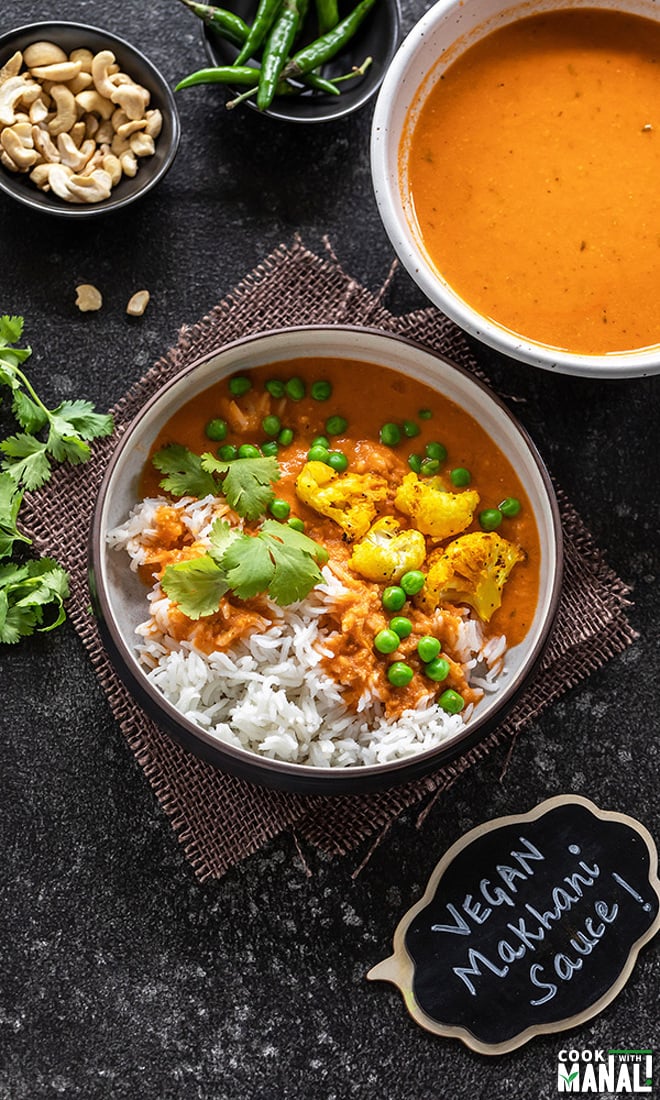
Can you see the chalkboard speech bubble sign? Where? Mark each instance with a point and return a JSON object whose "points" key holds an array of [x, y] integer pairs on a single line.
{"points": [[529, 924]]}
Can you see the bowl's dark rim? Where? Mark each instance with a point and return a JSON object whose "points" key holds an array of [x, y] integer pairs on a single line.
{"points": [[304, 778], [108, 205], [357, 101]]}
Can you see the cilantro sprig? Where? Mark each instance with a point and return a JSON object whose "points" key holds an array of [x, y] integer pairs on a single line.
{"points": [[277, 560], [56, 435], [246, 483], [32, 593]]}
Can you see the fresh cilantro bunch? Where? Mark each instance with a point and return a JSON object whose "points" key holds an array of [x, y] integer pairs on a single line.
{"points": [[49, 435], [32, 594], [277, 560]]}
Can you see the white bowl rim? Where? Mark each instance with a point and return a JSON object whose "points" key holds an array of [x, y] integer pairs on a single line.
{"points": [[265, 768], [626, 364]]}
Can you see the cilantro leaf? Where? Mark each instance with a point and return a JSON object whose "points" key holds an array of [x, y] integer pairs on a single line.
{"points": [[31, 418], [185, 476], [26, 592], [11, 330], [247, 482], [10, 502], [296, 558], [221, 536], [26, 460], [79, 418], [196, 585], [249, 566]]}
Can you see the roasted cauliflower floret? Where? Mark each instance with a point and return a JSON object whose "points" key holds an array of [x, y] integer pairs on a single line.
{"points": [[472, 569], [433, 509], [348, 499], [386, 552]]}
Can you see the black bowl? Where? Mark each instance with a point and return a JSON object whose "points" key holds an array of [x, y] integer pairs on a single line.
{"points": [[378, 38], [71, 36]]}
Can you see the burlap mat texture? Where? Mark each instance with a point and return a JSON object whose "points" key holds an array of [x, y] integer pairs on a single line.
{"points": [[219, 819]]}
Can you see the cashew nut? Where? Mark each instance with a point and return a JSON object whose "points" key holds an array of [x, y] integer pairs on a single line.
{"points": [[154, 123], [133, 98], [43, 53], [60, 72], [44, 144], [137, 303], [40, 176], [127, 128], [142, 145], [11, 67], [91, 125], [71, 155], [92, 188], [112, 165], [100, 75], [93, 103], [38, 111], [58, 178], [85, 57], [128, 164], [80, 82], [15, 90], [23, 158], [66, 114], [104, 134], [77, 133], [88, 298]]}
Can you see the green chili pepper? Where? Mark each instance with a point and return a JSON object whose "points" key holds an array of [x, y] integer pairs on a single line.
{"points": [[329, 44], [327, 13], [229, 25], [222, 74], [276, 51], [267, 11]]}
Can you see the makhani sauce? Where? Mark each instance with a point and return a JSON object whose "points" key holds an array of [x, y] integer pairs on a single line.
{"points": [[365, 396], [533, 172]]}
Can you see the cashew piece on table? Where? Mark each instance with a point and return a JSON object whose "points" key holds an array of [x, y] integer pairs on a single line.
{"points": [[137, 303], [88, 298]]}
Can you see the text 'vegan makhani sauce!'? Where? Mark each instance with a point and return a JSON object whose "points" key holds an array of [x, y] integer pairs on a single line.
{"points": [[532, 169]]}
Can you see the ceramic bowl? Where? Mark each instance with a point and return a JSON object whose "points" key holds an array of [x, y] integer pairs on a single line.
{"points": [[445, 31], [119, 596], [71, 36], [378, 38]]}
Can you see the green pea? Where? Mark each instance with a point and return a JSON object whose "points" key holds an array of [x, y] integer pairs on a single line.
{"points": [[338, 461], [279, 508], [429, 466], [216, 429], [401, 626], [295, 389], [269, 449], [239, 386], [228, 452], [393, 598], [386, 641], [318, 454], [272, 425], [248, 450], [451, 701], [321, 390], [428, 648], [460, 477], [275, 387], [437, 669], [336, 425], [285, 438], [399, 674], [490, 518], [436, 450], [390, 434], [425, 414], [296, 523], [415, 463], [321, 441], [510, 507], [411, 429], [412, 582]]}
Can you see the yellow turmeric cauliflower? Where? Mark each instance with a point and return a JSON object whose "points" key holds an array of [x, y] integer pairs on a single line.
{"points": [[349, 499], [433, 509], [472, 569], [386, 552]]}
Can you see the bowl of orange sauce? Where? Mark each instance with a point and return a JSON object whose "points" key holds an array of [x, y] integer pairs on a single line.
{"points": [[515, 155]]}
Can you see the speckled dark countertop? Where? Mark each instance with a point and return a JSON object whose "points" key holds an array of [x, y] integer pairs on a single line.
{"points": [[122, 976]]}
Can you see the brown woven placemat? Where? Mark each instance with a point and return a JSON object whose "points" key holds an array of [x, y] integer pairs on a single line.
{"points": [[219, 819]]}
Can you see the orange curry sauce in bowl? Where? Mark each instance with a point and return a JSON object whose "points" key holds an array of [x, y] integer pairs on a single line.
{"points": [[425, 485]]}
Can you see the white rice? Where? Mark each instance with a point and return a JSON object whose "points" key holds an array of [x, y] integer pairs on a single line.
{"points": [[269, 693]]}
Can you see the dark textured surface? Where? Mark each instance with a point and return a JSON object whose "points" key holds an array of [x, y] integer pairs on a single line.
{"points": [[122, 977]]}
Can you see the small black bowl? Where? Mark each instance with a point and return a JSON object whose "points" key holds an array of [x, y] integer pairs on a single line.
{"points": [[72, 36], [378, 38]]}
